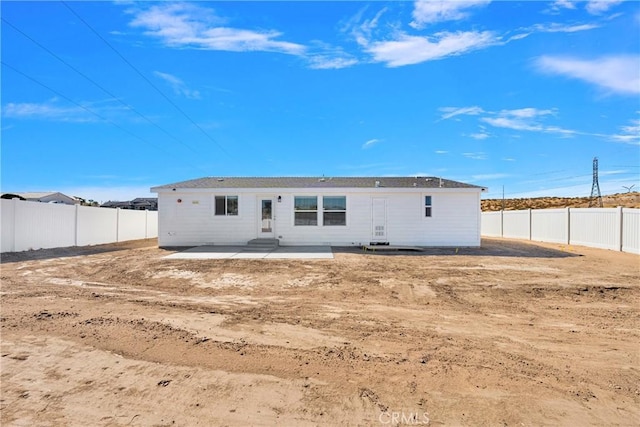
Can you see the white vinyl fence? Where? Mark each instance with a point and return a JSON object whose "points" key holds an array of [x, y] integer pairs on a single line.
{"points": [[34, 225], [607, 228]]}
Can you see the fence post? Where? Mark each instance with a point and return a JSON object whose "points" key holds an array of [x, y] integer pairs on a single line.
{"points": [[15, 222], [568, 226], [620, 234], [530, 223], [146, 223], [75, 228], [502, 223], [117, 225]]}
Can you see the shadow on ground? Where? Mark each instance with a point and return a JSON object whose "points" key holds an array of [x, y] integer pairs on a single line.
{"points": [[41, 254], [489, 247]]}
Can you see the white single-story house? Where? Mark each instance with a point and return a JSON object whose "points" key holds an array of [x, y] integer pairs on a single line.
{"points": [[339, 211]]}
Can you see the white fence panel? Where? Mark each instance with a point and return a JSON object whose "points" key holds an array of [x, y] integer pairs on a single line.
{"points": [[550, 225], [631, 230], [34, 225], [617, 229], [43, 225], [595, 227], [491, 224], [152, 224], [516, 224], [96, 225], [8, 218], [132, 225]]}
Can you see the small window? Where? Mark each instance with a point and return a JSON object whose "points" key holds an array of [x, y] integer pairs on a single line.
{"points": [[305, 210], [334, 210], [427, 206], [226, 205]]}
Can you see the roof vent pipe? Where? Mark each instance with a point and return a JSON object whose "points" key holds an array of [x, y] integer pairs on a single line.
{"points": [[377, 184], [440, 182]]}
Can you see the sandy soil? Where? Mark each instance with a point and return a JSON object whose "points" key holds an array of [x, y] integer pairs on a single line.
{"points": [[508, 334]]}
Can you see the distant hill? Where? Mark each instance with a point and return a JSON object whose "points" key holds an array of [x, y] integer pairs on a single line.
{"points": [[627, 200]]}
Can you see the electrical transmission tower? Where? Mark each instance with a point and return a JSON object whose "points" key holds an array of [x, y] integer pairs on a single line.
{"points": [[595, 201]]}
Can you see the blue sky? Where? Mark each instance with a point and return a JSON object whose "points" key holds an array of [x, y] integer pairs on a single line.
{"points": [[105, 99]]}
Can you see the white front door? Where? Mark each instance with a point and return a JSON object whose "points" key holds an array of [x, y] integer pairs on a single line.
{"points": [[266, 219], [378, 220]]}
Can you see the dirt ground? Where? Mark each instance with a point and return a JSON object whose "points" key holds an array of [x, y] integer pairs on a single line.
{"points": [[512, 333]]}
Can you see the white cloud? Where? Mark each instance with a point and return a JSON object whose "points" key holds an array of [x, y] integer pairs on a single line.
{"points": [[362, 31], [321, 62], [597, 7], [432, 11], [370, 143], [526, 113], [52, 110], [322, 56], [184, 25], [555, 27], [629, 134], [511, 123], [526, 119], [475, 156], [449, 112], [408, 50], [178, 86], [480, 135], [563, 4], [441, 152], [523, 119], [619, 73], [47, 110]]}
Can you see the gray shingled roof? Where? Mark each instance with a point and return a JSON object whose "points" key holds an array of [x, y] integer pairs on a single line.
{"points": [[316, 182]]}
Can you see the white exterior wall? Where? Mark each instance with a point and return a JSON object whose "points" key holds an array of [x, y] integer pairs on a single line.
{"points": [[192, 222], [550, 225], [455, 217], [516, 224], [631, 230]]}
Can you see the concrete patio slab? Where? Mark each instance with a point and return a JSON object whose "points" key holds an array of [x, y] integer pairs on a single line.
{"points": [[242, 252]]}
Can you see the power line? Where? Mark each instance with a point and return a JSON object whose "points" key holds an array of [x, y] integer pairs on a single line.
{"points": [[101, 117], [145, 78], [97, 84]]}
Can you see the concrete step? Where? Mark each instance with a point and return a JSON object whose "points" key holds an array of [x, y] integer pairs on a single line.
{"points": [[262, 244]]}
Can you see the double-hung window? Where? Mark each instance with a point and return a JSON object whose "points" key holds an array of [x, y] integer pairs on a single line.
{"points": [[334, 210], [427, 206], [305, 210], [226, 205]]}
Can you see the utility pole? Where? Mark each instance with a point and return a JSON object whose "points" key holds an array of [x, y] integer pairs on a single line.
{"points": [[596, 198], [503, 197]]}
